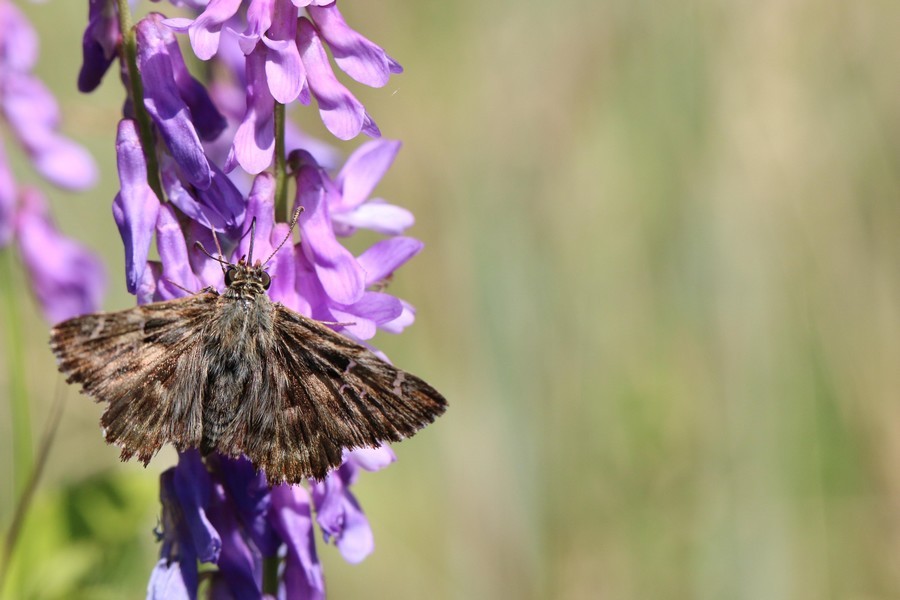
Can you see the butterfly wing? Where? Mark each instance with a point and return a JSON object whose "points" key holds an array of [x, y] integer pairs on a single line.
{"points": [[327, 393], [145, 364]]}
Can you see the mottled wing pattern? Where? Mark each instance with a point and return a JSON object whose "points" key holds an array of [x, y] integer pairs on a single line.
{"points": [[145, 363], [325, 393]]}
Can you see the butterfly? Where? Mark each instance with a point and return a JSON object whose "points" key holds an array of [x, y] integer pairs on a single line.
{"points": [[236, 373]]}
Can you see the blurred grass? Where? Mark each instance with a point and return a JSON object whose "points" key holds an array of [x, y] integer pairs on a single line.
{"points": [[661, 290]]}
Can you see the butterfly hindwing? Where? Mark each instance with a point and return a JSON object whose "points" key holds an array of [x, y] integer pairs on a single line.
{"points": [[328, 393], [146, 364]]}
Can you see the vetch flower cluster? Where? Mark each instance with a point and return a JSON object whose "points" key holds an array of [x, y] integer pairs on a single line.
{"points": [[206, 162]]}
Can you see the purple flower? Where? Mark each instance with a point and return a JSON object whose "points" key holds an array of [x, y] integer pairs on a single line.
{"points": [[218, 511], [335, 284], [99, 44], [337, 511], [225, 514], [66, 278], [286, 54], [351, 208], [358, 57], [157, 60], [247, 101], [254, 141], [136, 206], [343, 115], [32, 112], [292, 520]]}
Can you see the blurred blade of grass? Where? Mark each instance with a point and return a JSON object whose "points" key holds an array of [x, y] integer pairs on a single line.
{"points": [[27, 495], [18, 392]]}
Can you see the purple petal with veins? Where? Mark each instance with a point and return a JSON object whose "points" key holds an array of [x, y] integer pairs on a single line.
{"points": [[363, 170], [342, 278], [406, 318], [376, 215], [207, 119], [162, 100], [384, 257], [254, 141], [361, 59], [136, 206], [206, 28], [343, 115], [173, 253], [285, 72], [260, 213], [292, 519]]}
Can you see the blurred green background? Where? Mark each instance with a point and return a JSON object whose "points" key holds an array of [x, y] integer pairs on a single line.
{"points": [[661, 291]]}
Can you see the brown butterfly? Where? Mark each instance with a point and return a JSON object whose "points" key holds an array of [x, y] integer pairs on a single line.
{"points": [[235, 373]]}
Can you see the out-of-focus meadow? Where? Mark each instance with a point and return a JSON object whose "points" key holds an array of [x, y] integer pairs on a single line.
{"points": [[661, 291]]}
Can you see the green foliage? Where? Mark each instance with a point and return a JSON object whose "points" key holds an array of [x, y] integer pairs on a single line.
{"points": [[92, 540]]}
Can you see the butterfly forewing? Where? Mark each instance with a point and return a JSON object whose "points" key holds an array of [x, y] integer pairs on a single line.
{"points": [[145, 363]]}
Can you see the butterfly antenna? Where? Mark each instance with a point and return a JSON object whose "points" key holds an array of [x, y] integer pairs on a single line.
{"points": [[252, 238], [288, 236], [219, 249], [219, 260]]}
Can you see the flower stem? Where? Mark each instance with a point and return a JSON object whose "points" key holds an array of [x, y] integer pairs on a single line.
{"points": [[18, 393], [145, 128], [281, 203], [270, 575]]}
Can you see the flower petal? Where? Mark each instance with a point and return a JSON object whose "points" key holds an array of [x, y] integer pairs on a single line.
{"points": [[136, 206], [342, 278], [98, 45], [386, 256], [363, 170], [285, 72], [341, 518], [33, 114], [193, 488], [206, 28], [292, 519], [376, 216], [167, 582], [343, 115], [373, 459], [254, 141], [162, 100], [282, 268], [361, 59], [177, 275], [406, 318], [261, 215], [239, 563], [67, 279], [207, 119]]}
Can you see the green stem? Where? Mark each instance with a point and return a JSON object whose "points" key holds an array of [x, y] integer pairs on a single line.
{"points": [[145, 126], [27, 494], [270, 575], [18, 392], [281, 202]]}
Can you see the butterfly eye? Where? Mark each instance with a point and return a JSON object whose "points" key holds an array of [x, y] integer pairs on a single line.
{"points": [[265, 280], [229, 276]]}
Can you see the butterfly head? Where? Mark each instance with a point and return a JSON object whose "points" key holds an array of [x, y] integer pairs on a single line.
{"points": [[246, 280]]}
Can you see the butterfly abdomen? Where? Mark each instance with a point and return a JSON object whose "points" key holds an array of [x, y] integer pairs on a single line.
{"points": [[234, 354]]}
